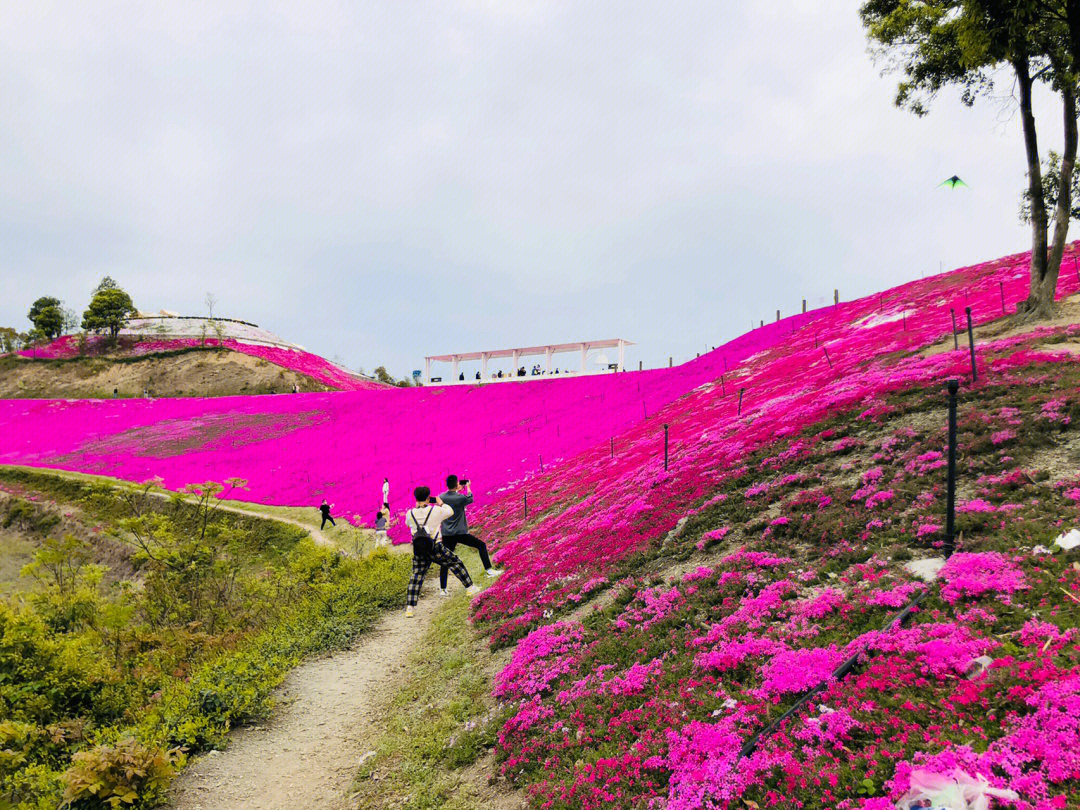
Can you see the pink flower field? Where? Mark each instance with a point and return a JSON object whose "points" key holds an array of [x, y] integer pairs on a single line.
{"points": [[661, 618]]}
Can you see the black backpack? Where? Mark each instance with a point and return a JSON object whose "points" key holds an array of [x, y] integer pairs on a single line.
{"points": [[422, 544]]}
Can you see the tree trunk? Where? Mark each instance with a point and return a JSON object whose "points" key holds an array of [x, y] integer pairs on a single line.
{"points": [[1048, 288], [1034, 305]]}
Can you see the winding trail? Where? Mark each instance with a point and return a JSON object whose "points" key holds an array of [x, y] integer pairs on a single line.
{"points": [[316, 534], [308, 753]]}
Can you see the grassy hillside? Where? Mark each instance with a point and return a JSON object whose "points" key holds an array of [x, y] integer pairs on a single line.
{"points": [[660, 610], [150, 626]]}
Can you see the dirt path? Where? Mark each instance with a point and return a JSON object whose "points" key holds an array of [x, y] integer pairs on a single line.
{"points": [[309, 751], [316, 534]]}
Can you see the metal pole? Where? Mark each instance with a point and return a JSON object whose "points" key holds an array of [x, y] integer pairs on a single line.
{"points": [[826, 350], [526, 506], [613, 447], [665, 447], [1001, 287], [723, 388], [740, 400], [541, 463], [971, 344], [955, 340], [950, 480]]}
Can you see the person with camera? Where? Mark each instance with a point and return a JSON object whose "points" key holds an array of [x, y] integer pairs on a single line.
{"points": [[424, 522], [455, 529]]}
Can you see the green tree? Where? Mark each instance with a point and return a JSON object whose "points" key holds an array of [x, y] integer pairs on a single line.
{"points": [[384, 376], [106, 283], [962, 43], [108, 309], [9, 339], [47, 315], [1051, 184]]}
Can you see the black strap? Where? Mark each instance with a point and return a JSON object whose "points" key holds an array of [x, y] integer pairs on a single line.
{"points": [[424, 524]]}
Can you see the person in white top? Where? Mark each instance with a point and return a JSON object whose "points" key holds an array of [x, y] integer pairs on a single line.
{"points": [[386, 493], [425, 525]]}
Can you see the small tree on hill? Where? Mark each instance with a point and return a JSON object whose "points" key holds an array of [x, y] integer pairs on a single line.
{"points": [[9, 339], [108, 309], [47, 315], [385, 377]]}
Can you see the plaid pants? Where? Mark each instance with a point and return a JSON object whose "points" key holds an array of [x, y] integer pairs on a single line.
{"points": [[420, 566]]}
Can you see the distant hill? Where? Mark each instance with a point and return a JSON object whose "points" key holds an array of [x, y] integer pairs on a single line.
{"points": [[173, 356]]}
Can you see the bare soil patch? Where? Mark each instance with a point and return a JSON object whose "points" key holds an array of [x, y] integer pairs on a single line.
{"points": [[203, 373]]}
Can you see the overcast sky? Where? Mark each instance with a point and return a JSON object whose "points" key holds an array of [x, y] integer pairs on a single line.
{"points": [[383, 180]]}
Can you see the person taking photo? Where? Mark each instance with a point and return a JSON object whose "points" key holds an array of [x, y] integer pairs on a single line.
{"points": [[424, 522], [455, 529]]}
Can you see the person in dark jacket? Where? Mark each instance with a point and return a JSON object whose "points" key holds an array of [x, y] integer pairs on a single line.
{"points": [[455, 529], [325, 509]]}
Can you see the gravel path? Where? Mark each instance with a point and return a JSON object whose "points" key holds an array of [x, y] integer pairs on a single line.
{"points": [[308, 753]]}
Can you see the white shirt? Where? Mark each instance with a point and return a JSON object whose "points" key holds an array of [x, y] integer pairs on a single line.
{"points": [[434, 522], [386, 491]]}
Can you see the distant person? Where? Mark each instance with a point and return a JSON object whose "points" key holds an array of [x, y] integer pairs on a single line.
{"points": [[381, 538], [424, 523], [478, 375], [325, 510], [455, 529], [461, 377], [386, 493], [296, 388], [500, 373]]}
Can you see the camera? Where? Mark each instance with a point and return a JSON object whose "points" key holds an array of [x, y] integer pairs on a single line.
{"points": [[432, 499], [464, 482]]}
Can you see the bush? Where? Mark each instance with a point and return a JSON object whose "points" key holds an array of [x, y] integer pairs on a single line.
{"points": [[125, 774]]}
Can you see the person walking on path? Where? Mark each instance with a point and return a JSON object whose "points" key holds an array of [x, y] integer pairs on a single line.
{"points": [[386, 493], [456, 528], [424, 522], [380, 528], [325, 509]]}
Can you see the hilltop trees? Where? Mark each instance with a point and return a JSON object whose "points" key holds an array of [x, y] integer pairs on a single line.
{"points": [[108, 309], [47, 315], [941, 43]]}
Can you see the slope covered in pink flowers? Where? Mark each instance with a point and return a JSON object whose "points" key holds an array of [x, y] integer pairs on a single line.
{"points": [[771, 550], [661, 618], [296, 449]]}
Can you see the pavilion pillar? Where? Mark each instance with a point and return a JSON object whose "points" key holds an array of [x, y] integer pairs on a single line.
{"points": [[427, 370], [547, 356], [454, 366], [483, 366], [622, 354], [517, 359], [584, 354]]}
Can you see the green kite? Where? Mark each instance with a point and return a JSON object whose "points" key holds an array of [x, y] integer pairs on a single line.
{"points": [[953, 182]]}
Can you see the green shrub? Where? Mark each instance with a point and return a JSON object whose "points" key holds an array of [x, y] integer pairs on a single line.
{"points": [[125, 774]]}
